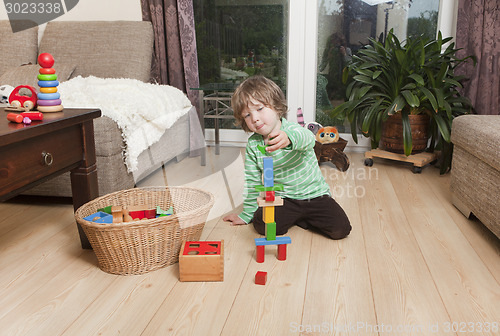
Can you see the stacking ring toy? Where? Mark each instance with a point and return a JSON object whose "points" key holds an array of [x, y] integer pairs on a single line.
{"points": [[47, 71], [48, 89], [52, 77], [50, 102], [49, 96], [55, 108], [51, 83]]}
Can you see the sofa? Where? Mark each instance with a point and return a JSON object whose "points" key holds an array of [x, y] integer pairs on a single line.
{"points": [[475, 173], [104, 49]]}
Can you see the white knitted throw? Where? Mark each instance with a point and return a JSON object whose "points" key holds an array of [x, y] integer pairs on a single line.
{"points": [[142, 111]]}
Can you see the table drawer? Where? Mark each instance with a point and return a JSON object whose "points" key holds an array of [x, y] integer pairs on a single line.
{"points": [[33, 159]]}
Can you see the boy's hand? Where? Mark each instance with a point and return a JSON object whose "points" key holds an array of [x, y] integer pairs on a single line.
{"points": [[277, 140], [234, 219]]}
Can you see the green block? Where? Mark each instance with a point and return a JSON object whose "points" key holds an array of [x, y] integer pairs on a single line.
{"points": [[271, 231], [277, 187], [262, 149], [106, 209], [169, 211]]}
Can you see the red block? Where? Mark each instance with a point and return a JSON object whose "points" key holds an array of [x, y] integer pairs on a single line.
{"points": [[150, 213], [260, 278], [269, 196], [261, 251], [282, 252]]}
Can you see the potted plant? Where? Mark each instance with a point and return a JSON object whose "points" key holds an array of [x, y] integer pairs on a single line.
{"points": [[405, 81]]}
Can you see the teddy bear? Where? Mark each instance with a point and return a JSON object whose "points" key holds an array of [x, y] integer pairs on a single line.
{"points": [[327, 134]]}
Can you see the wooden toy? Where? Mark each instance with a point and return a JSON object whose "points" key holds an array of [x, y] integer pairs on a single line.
{"points": [[281, 242], [271, 231], [48, 83], [46, 60], [48, 98], [201, 261], [262, 202], [270, 195], [14, 117], [47, 71], [56, 108], [260, 278], [276, 187], [18, 100], [100, 217], [45, 77], [268, 203], [49, 102], [48, 89], [33, 115], [268, 173], [117, 213]]}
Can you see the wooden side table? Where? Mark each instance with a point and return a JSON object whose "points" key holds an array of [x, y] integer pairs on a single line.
{"points": [[32, 154]]}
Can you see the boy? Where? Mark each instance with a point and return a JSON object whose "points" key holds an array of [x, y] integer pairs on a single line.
{"points": [[259, 106]]}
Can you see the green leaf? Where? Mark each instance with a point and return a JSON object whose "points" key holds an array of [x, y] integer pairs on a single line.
{"points": [[363, 79], [439, 96], [407, 140], [443, 127], [417, 78], [410, 98], [430, 97], [376, 74]]}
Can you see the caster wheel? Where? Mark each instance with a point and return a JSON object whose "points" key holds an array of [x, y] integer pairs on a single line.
{"points": [[368, 162], [416, 170]]}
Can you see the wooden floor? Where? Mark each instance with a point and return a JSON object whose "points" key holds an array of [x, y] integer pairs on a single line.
{"points": [[412, 265]]}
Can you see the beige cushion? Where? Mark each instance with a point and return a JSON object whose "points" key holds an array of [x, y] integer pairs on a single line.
{"points": [[107, 49], [19, 48], [27, 74], [478, 135]]}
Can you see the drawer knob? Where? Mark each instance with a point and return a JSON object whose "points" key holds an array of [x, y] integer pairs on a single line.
{"points": [[48, 159]]}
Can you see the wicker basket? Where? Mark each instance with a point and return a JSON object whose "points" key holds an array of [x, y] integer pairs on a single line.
{"points": [[145, 245]]}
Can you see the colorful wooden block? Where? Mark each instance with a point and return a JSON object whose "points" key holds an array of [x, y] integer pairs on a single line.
{"points": [[278, 241], [282, 252], [271, 231], [261, 202], [261, 251], [260, 278], [276, 187], [100, 217], [117, 213], [268, 172], [268, 214], [270, 195], [201, 261]]}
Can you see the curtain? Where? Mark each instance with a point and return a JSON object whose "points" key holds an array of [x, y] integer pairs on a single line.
{"points": [[175, 59], [478, 25]]}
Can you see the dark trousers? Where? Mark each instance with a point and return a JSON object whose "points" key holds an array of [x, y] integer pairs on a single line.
{"points": [[322, 214]]}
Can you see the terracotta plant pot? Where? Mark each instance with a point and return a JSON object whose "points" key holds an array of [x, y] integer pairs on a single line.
{"points": [[392, 133]]}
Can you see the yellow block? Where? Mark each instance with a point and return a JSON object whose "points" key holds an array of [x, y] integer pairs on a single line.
{"points": [[48, 89], [268, 214]]}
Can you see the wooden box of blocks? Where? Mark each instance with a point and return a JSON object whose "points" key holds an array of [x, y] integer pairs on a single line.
{"points": [[201, 261]]}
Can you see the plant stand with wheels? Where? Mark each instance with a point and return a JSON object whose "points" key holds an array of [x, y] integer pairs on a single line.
{"points": [[419, 160]]}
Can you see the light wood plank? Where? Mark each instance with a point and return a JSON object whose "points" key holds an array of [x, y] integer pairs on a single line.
{"points": [[343, 265], [469, 291], [403, 289]]}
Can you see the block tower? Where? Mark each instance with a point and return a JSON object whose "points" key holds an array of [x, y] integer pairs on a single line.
{"points": [[268, 203], [49, 100]]}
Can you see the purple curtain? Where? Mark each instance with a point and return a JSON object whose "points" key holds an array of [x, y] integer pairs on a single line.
{"points": [[478, 33], [175, 59]]}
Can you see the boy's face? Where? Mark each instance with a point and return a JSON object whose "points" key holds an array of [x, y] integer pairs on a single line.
{"points": [[261, 119]]}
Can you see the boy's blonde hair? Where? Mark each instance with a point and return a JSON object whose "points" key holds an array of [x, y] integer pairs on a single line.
{"points": [[259, 88]]}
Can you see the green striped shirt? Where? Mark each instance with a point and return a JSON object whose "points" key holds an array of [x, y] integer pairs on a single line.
{"points": [[295, 166]]}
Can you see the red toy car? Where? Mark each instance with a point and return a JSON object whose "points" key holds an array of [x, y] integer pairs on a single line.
{"points": [[18, 100]]}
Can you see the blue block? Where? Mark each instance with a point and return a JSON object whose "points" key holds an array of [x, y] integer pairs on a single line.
{"points": [[48, 83], [279, 241], [100, 217], [268, 172]]}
